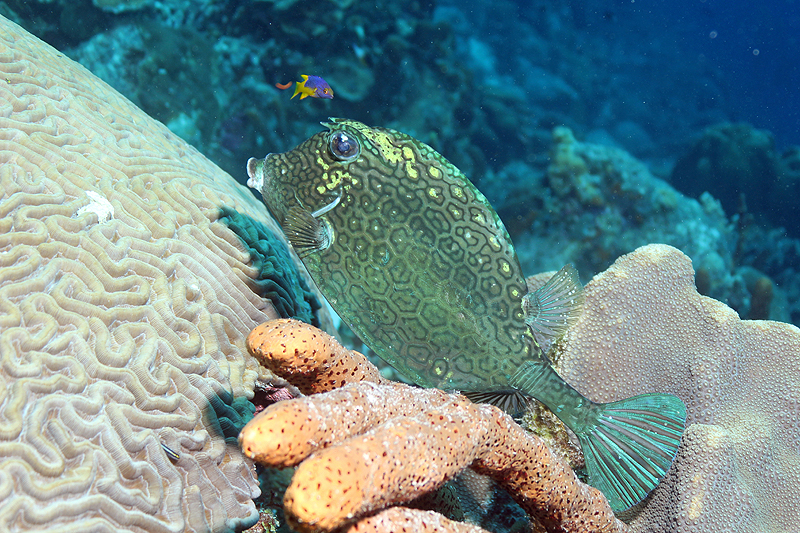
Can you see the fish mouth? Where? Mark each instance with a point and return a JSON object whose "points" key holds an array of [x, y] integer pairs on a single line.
{"points": [[264, 176], [259, 173]]}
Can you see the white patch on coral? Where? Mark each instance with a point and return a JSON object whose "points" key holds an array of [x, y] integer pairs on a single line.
{"points": [[98, 205]]}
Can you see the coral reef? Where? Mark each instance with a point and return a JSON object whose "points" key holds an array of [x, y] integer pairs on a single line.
{"points": [[735, 162], [595, 203], [207, 69], [645, 328], [356, 445], [435, 70], [608, 203], [126, 295], [404, 519]]}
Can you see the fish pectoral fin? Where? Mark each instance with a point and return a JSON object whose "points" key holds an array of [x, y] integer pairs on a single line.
{"points": [[511, 401], [306, 233], [556, 305]]}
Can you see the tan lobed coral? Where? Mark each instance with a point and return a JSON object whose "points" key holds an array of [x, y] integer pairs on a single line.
{"points": [[124, 307], [374, 444], [646, 329]]}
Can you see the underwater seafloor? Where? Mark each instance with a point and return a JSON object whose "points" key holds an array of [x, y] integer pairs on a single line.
{"points": [[593, 128]]}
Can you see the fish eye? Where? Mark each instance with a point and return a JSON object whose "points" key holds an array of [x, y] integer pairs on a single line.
{"points": [[343, 147]]}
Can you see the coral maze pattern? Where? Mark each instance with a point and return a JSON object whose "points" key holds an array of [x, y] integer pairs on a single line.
{"points": [[124, 305]]}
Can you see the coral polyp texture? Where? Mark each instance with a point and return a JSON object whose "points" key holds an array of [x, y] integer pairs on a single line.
{"points": [[645, 328], [125, 302], [368, 446]]}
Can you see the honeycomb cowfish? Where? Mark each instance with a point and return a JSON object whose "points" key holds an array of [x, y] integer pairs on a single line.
{"points": [[414, 259], [312, 86]]}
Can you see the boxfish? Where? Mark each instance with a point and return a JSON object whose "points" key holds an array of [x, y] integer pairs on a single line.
{"points": [[417, 262]]}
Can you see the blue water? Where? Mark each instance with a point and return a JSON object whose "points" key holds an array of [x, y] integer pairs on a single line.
{"points": [[754, 46]]}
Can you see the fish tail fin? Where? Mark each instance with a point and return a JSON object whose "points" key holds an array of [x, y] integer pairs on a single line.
{"points": [[298, 89], [631, 445], [556, 305]]}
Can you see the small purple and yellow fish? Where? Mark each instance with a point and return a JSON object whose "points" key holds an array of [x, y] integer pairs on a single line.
{"points": [[312, 86]]}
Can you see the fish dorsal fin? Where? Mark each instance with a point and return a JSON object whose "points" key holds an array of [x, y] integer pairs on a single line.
{"points": [[511, 401], [306, 232], [556, 305]]}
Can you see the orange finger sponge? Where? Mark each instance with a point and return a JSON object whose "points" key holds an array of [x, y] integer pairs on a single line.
{"points": [[309, 358], [372, 446]]}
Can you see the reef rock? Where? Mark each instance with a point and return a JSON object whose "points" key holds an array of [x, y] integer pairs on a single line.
{"points": [[734, 162]]}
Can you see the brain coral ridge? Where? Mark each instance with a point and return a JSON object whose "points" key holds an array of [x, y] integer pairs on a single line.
{"points": [[124, 307]]}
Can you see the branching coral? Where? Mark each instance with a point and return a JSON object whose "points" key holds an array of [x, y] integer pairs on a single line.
{"points": [[368, 446]]}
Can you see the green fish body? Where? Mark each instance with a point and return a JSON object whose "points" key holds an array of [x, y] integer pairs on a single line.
{"points": [[416, 261]]}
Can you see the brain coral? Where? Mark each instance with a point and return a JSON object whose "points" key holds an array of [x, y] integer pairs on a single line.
{"points": [[125, 300], [644, 329]]}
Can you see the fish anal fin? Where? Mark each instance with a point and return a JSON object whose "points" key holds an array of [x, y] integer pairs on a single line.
{"points": [[511, 401], [556, 305], [306, 233]]}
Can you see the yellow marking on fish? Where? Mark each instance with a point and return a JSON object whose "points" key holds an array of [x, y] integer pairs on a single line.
{"points": [[494, 243], [434, 172], [456, 213], [479, 218], [458, 192], [321, 162], [411, 171], [380, 140], [321, 189], [514, 293], [506, 267], [432, 193], [335, 179]]}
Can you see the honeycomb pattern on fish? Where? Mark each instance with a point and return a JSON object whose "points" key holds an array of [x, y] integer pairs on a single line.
{"points": [[417, 262], [419, 265]]}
